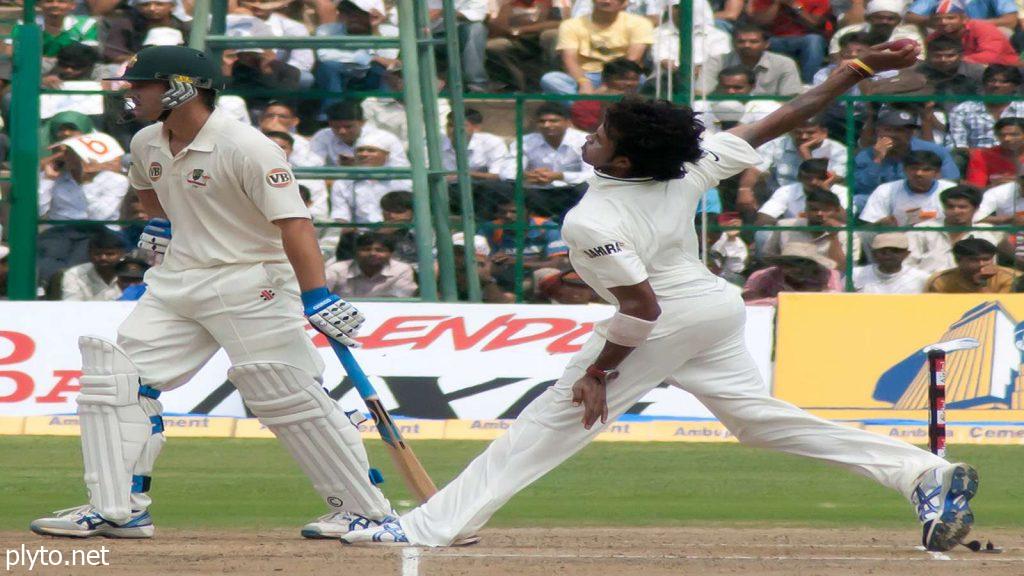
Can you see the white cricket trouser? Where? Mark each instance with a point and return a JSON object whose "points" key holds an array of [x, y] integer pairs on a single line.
{"points": [[706, 356], [186, 317]]}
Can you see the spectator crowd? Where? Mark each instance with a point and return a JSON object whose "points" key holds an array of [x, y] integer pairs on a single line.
{"points": [[910, 208]]}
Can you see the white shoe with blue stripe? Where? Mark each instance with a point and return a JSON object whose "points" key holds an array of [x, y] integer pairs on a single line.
{"points": [[86, 522], [943, 505], [337, 524], [388, 534]]}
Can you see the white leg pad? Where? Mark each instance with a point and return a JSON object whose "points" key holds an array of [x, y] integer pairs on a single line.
{"points": [[115, 427], [316, 432]]}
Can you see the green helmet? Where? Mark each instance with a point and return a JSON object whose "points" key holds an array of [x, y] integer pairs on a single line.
{"points": [[183, 64]]}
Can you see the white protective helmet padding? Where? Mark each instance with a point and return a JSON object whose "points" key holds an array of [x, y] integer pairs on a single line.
{"points": [[315, 431]]}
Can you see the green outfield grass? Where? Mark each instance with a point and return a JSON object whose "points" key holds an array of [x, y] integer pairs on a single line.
{"points": [[255, 484]]}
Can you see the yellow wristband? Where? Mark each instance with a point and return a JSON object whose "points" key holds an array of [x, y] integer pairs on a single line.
{"points": [[860, 64]]}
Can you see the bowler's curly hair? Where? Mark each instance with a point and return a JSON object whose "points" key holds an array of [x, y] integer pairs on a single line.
{"points": [[657, 136]]}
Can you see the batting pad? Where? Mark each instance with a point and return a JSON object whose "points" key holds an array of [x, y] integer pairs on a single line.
{"points": [[315, 431], [115, 427]]}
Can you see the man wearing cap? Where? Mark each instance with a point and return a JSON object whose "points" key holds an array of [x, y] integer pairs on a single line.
{"points": [[972, 124], [82, 190], [800, 268], [983, 41], [125, 32], [910, 200], [894, 139], [240, 265], [976, 271], [889, 274], [130, 272], [345, 126], [822, 209], [883, 22], [359, 200], [1001, 13], [932, 250]]}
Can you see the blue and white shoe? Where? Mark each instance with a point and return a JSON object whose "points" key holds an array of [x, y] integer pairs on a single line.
{"points": [[86, 522], [943, 505], [387, 534], [336, 524]]}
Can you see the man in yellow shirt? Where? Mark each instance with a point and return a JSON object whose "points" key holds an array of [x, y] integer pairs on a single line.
{"points": [[976, 271], [586, 43]]}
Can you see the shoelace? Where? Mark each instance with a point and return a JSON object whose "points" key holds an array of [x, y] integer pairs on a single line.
{"points": [[82, 510]]}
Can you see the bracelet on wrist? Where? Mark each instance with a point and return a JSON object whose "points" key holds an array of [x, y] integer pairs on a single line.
{"points": [[862, 69]]}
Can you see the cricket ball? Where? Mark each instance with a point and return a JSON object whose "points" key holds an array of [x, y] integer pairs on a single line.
{"points": [[901, 44]]}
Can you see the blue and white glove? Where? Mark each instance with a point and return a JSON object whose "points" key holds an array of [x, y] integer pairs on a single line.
{"points": [[156, 236], [332, 316]]}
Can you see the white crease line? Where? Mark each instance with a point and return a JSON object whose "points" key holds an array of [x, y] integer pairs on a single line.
{"points": [[410, 562], [431, 554]]}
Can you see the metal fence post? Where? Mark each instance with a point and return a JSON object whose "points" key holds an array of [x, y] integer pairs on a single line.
{"points": [[28, 53]]}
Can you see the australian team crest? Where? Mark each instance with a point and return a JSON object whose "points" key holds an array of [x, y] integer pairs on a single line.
{"points": [[198, 177], [990, 376]]}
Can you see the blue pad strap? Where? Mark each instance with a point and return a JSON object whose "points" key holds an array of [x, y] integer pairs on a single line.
{"points": [[158, 424], [376, 477], [148, 392], [141, 483]]}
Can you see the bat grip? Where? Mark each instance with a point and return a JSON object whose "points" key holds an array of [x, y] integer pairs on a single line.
{"points": [[937, 402], [354, 371]]}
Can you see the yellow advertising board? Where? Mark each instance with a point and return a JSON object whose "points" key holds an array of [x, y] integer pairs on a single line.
{"points": [[861, 353]]}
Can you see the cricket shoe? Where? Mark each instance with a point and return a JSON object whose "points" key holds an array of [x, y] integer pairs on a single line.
{"points": [[85, 522], [336, 524], [943, 505], [386, 534], [391, 534]]}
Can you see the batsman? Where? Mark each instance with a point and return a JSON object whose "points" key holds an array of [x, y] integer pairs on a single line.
{"points": [[239, 270]]}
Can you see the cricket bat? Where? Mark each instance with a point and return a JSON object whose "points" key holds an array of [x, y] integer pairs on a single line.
{"points": [[416, 478]]}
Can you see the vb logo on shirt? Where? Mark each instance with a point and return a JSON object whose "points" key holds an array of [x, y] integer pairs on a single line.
{"points": [[155, 171], [279, 177], [603, 250]]}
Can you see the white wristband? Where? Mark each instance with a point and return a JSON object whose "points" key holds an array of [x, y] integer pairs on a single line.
{"points": [[628, 331]]}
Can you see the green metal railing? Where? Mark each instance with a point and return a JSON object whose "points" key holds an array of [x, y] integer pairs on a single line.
{"points": [[431, 217]]}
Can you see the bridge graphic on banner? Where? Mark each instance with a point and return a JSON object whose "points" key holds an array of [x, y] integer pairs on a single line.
{"points": [[989, 376]]}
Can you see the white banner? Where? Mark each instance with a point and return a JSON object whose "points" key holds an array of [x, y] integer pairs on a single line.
{"points": [[468, 361]]}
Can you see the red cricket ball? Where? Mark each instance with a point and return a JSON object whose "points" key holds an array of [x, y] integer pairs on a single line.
{"points": [[901, 44]]}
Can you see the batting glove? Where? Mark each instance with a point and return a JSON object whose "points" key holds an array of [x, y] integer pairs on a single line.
{"points": [[332, 316], [156, 236]]}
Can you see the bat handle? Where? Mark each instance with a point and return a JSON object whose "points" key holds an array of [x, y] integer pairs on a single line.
{"points": [[354, 371]]}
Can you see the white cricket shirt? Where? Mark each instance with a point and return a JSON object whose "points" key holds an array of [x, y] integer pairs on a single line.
{"points": [[625, 231], [221, 193]]}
